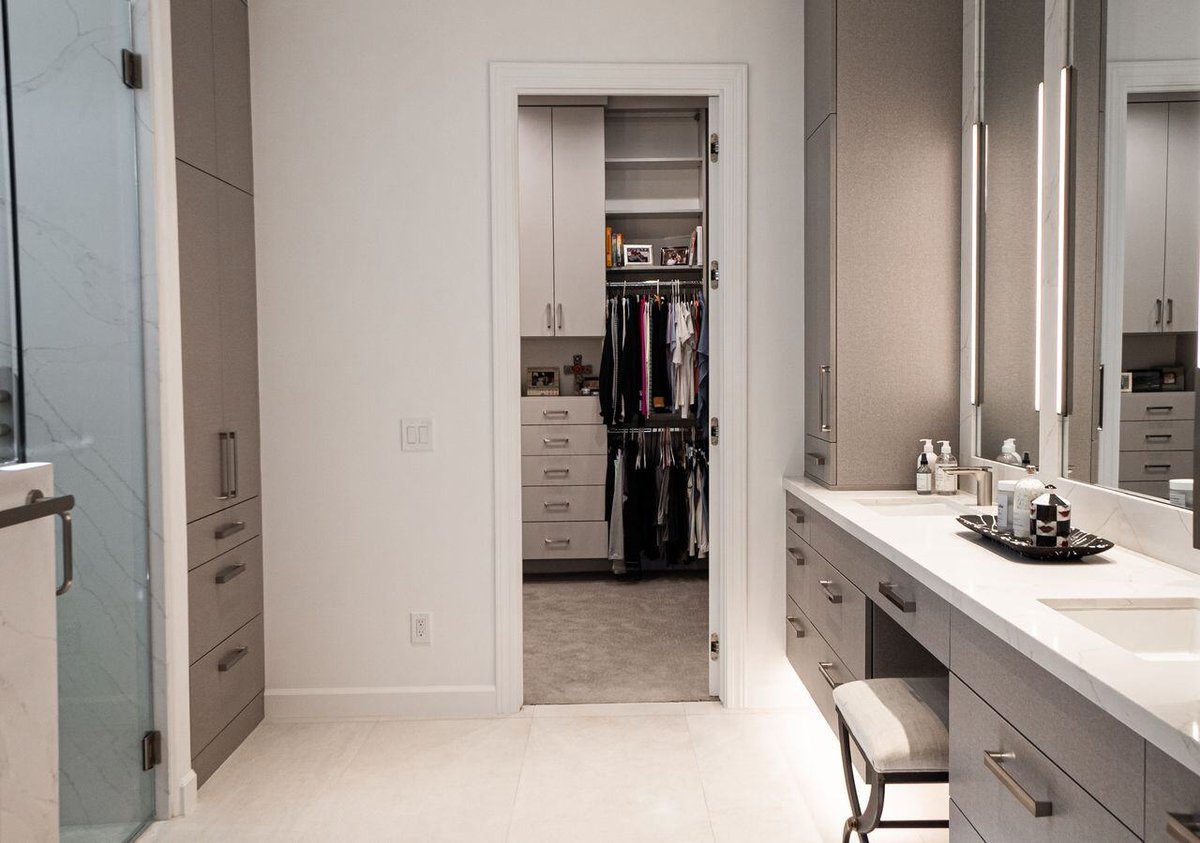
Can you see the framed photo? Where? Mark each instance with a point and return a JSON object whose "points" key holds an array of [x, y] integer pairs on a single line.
{"points": [[541, 380], [1172, 378], [1127, 381], [639, 255], [674, 256], [590, 386]]}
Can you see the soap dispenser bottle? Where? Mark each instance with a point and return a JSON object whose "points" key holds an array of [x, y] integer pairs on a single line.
{"points": [[1027, 488], [946, 484], [924, 476], [1008, 453], [927, 452]]}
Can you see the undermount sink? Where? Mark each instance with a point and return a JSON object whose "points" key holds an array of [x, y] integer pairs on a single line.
{"points": [[910, 507], [1160, 629]]}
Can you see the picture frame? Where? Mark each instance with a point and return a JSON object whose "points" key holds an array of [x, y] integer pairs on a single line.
{"points": [[590, 385], [541, 380], [1127, 381], [639, 255], [1172, 378], [674, 256]]}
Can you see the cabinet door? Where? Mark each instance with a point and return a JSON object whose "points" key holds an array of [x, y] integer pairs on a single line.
{"points": [[820, 62], [1182, 255], [1145, 215], [239, 335], [192, 63], [535, 153], [231, 80], [200, 310], [579, 221], [820, 283]]}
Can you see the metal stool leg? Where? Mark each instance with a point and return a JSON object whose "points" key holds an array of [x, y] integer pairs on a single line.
{"points": [[859, 822]]}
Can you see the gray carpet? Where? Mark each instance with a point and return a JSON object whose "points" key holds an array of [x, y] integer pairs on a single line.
{"points": [[600, 640]]}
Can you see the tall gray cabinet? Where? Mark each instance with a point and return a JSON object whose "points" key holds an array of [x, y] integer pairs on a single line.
{"points": [[883, 98], [210, 45]]}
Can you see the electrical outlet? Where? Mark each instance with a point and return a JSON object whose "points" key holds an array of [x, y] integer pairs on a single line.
{"points": [[421, 627]]}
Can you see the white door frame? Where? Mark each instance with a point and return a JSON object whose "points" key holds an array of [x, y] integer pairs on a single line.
{"points": [[727, 82], [1123, 78]]}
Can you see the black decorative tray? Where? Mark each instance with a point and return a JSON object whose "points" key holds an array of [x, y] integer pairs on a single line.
{"points": [[1081, 544]]}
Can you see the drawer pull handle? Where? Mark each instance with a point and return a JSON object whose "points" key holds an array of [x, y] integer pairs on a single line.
{"points": [[1184, 828], [232, 658], [1158, 437], [230, 529], [888, 590], [825, 667], [817, 458], [553, 542], [796, 556], [230, 573], [1158, 466], [556, 504], [797, 515], [834, 596], [556, 414], [556, 472], [994, 761], [1160, 408], [797, 626], [557, 442]]}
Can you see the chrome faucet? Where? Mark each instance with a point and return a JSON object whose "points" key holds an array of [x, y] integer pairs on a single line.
{"points": [[983, 481]]}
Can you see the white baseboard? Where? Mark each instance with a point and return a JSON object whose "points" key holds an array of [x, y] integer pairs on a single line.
{"points": [[410, 701], [187, 794]]}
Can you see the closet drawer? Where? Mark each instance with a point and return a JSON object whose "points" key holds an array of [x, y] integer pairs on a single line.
{"points": [[577, 409], [990, 794], [225, 681], [544, 440], [1172, 796], [565, 540], [815, 662], [797, 516], [839, 611], [1103, 755], [562, 503], [820, 460], [1158, 406], [1164, 435], [564, 471], [223, 595], [922, 614], [1157, 465], [223, 531]]}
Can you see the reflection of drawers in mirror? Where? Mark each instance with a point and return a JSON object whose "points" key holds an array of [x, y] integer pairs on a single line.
{"points": [[1157, 430]]}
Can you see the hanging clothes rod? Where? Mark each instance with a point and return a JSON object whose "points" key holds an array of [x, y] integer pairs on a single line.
{"points": [[690, 429], [657, 284]]}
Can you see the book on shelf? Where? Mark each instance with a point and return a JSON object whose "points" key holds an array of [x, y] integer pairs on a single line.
{"points": [[608, 246], [696, 247]]}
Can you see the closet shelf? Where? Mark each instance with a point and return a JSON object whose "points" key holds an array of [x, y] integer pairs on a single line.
{"points": [[685, 163], [652, 207], [662, 270]]}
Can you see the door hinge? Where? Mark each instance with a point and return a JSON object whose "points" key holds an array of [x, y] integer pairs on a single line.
{"points": [[714, 147], [131, 69], [151, 750], [714, 275], [714, 430], [714, 647]]}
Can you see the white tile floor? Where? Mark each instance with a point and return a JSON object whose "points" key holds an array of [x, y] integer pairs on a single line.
{"points": [[658, 772]]}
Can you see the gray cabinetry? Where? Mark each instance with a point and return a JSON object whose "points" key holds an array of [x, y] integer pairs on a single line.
{"points": [[1181, 265], [882, 169], [1172, 799]]}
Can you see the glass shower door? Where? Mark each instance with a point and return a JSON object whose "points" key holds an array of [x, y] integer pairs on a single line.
{"points": [[79, 281]]}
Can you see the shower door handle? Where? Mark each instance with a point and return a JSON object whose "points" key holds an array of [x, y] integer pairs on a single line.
{"points": [[37, 505]]}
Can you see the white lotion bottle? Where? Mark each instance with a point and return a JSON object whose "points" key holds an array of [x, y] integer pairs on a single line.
{"points": [[1027, 488]]}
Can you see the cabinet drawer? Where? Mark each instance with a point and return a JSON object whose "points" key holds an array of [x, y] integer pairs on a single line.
{"points": [[800, 559], [839, 611], [565, 540], [562, 503], [1159, 435], [1171, 789], [544, 440], [1157, 406], [1153, 488], [815, 662], [577, 409], [206, 762], [225, 681], [797, 516], [223, 595], [922, 614], [820, 460], [1154, 465], [991, 794], [564, 471], [961, 831], [1096, 750], [223, 531]]}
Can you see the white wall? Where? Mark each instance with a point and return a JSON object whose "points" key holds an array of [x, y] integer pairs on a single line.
{"points": [[371, 185], [1153, 30]]}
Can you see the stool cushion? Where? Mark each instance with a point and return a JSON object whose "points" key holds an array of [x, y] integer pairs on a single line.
{"points": [[896, 731]]}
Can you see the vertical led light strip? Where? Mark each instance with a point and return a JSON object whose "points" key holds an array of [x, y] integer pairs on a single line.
{"points": [[1064, 108], [975, 264], [1038, 271]]}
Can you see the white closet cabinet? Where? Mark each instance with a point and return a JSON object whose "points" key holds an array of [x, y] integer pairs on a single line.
{"points": [[1162, 217], [561, 170]]}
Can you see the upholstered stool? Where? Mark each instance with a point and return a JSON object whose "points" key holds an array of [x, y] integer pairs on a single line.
{"points": [[902, 740]]}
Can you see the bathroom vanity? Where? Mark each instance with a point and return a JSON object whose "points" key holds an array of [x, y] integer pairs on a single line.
{"points": [[1072, 691]]}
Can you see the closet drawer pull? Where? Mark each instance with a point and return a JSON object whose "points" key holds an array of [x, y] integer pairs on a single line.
{"points": [[556, 442], [223, 466], [796, 556], [1160, 408], [556, 504], [822, 399], [818, 458], [833, 596], [560, 321], [229, 529], [1184, 828], [232, 658], [1170, 311], [888, 590], [549, 319], [1158, 437], [825, 667], [994, 761], [797, 515], [553, 542], [556, 472], [230, 573], [556, 414], [797, 626], [1158, 311], [1157, 466]]}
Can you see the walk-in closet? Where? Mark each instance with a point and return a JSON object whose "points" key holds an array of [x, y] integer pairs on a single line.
{"points": [[615, 412]]}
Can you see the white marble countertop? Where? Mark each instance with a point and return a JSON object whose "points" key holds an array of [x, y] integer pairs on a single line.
{"points": [[1158, 700]]}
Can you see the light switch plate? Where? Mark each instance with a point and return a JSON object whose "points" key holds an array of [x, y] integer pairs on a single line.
{"points": [[416, 434]]}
